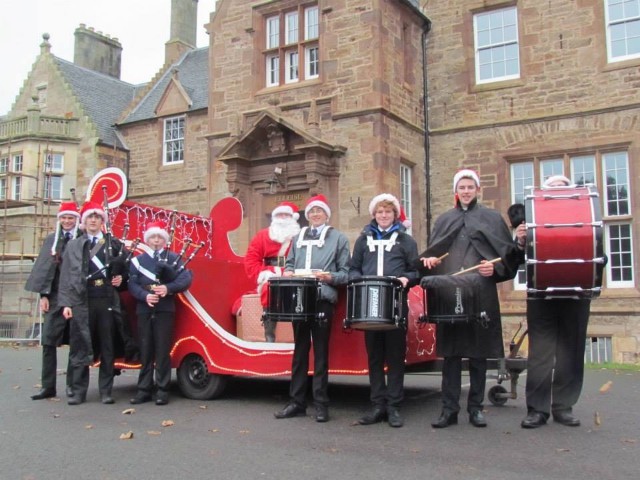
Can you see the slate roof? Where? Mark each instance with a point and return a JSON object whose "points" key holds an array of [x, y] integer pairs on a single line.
{"points": [[102, 97], [193, 75]]}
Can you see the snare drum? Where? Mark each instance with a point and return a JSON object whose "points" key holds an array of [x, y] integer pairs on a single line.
{"points": [[292, 299], [565, 256], [375, 303], [450, 305]]}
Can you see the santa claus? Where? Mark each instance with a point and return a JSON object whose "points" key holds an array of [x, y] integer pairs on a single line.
{"points": [[268, 251]]}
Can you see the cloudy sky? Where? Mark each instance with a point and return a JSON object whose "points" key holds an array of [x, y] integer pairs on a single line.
{"points": [[141, 26]]}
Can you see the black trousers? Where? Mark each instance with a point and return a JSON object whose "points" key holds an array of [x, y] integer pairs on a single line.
{"points": [[452, 384], [102, 327], [155, 337], [304, 333], [386, 347], [555, 367], [52, 336]]}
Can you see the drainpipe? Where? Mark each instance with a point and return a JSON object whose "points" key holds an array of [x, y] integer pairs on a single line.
{"points": [[427, 159]]}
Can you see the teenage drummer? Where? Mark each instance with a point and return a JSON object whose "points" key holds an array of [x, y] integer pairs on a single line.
{"points": [[322, 252], [557, 330], [472, 235], [384, 248]]}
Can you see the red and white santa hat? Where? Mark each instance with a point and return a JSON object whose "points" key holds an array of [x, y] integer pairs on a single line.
{"points": [[317, 201], [403, 218], [381, 198], [556, 179], [465, 173], [286, 207], [89, 208], [66, 208], [156, 228]]}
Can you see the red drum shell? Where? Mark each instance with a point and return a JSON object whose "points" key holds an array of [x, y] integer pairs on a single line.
{"points": [[564, 238], [292, 299], [375, 303]]}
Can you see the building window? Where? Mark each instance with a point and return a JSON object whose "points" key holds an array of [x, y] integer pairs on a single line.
{"points": [[54, 162], [496, 45], [173, 140], [3, 188], [16, 188], [405, 190], [613, 168], [16, 164], [4, 165], [623, 29], [521, 177], [598, 350], [52, 187], [292, 37]]}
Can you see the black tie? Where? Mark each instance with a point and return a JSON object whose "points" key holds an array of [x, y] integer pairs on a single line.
{"points": [[67, 236], [93, 241], [156, 254], [314, 233]]}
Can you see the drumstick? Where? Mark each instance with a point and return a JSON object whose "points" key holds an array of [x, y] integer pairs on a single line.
{"points": [[442, 257], [495, 260]]}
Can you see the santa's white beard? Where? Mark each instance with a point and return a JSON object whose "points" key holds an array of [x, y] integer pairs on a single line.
{"points": [[282, 229]]}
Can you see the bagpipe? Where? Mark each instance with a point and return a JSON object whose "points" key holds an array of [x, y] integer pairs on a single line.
{"points": [[167, 272]]}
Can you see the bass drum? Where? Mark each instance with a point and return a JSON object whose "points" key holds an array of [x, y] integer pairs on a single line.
{"points": [[375, 303], [565, 256]]}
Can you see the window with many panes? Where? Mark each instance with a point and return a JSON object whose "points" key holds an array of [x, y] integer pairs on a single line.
{"points": [[623, 29], [54, 162], [173, 151], [598, 350], [3, 188], [17, 163], [291, 46], [52, 189], [16, 188], [497, 56], [609, 172], [405, 189], [4, 165]]}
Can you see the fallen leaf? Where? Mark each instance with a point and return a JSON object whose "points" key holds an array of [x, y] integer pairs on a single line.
{"points": [[596, 419], [203, 407], [629, 440], [214, 430], [168, 423], [56, 415], [605, 388], [563, 450], [53, 399], [154, 432], [16, 387], [29, 369], [244, 431], [129, 411], [126, 436], [88, 427]]}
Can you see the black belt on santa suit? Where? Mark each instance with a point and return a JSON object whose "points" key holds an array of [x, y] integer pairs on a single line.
{"points": [[274, 261]]}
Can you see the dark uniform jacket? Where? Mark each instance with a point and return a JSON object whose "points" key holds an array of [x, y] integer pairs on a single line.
{"points": [[469, 236]]}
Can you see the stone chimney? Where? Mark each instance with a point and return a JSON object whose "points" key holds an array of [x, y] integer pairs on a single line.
{"points": [[97, 52], [184, 18]]}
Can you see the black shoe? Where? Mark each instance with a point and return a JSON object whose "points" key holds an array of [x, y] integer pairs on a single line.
{"points": [[566, 418], [476, 418], [107, 399], [534, 420], [69, 391], [446, 419], [75, 400], [291, 410], [322, 414], [138, 399], [378, 414], [44, 393], [162, 401], [394, 418]]}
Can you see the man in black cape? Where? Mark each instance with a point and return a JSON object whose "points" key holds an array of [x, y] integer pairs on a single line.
{"points": [[472, 236]]}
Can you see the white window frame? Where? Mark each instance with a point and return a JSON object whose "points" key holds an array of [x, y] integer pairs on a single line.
{"points": [[291, 66], [273, 70], [603, 351], [54, 162], [521, 177], [17, 163], [4, 165], [291, 28], [311, 62], [311, 23], [622, 19], [581, 175], [406, 183], [551, 167], [3, 188], [500, 42], [55, 191], [273, 32], [16, 188], [174, 140]]}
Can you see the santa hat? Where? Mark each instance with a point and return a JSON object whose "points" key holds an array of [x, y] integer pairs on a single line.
{"points": [[465, 173], [89, 208], [381, 198], [66, 208], [556, 178], [288, 208], [156, 228], [317, 201], [403, 218]]}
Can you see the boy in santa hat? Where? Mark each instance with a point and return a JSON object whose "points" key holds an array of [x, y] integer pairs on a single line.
{"points": [[267, 252], [155, 309], [91, 303], [324, 250], [471, 234], [44, 280]]}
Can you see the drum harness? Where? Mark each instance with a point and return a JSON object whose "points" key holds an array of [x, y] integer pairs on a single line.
{"points": [[381, 246], [319, 242]]}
